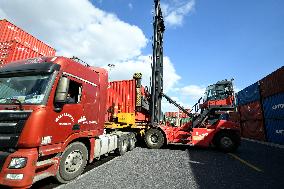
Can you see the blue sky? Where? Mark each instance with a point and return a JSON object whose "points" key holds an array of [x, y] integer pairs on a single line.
{"points": [[205, 41], [218, 39]]}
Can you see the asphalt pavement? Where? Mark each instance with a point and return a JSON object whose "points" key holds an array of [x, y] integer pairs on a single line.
{"points": [[252, 166]]}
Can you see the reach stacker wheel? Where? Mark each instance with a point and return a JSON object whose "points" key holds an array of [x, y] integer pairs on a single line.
{"points": [[227, 142], [154, 138]]}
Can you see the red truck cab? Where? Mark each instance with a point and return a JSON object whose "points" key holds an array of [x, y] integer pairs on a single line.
{"points": [[48, 105]]}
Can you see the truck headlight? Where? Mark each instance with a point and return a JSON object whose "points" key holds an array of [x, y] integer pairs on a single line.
{"points": [[17, 163]]}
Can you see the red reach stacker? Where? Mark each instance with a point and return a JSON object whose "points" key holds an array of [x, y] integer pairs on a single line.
{"points": [[211, 123]]}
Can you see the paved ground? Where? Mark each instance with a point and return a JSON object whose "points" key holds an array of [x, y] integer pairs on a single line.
{"points": [[252, 166]]}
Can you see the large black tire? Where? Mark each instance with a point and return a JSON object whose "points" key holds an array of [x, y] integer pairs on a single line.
{"points": [[72, 163], [227, 142], [122, 145], [154, 139], [132, 141]]}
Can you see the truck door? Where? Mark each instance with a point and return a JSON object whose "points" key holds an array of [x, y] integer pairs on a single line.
{"points": [[61, 124]]}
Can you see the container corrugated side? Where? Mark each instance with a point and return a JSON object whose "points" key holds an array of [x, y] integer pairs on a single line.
{"points": [[249, 94], [13, 51], [275, 130], [274, 107], [171, 114], [253, 129], [273, 83], [122, 94], [122, 98], [9, 32], [251, 111]]}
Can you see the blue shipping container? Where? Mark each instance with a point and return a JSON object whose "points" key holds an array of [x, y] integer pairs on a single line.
{"points": [[274, 107], [248, 94], [275, 130]]}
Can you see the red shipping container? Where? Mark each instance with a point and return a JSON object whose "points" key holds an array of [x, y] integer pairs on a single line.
{"points": [[13, 51], [182, 114], [10, 32], [122, 98], [253, 129], [251, 111], [273, 83], [235, 117]]}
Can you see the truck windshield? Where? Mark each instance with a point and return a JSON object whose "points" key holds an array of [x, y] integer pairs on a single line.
{"points": [[26, 89]]}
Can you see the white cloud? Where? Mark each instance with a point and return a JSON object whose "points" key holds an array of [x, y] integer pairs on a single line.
{"points": [[175, 11], [192, 91], [77, 27]]}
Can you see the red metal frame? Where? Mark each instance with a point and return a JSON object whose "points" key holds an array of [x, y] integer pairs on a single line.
{"points": [[198, 136]]}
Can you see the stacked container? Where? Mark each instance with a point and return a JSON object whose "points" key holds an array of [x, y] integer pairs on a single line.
{"points": [[261, 108], [272, 92], [16, 44], [251, 114]]}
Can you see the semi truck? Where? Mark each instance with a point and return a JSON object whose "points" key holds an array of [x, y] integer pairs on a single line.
{"points": [[52, 117]]}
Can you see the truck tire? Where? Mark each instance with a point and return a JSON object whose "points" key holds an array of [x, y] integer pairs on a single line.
{"points": [[72, 163], [132, 141], [154, 139], [227, 142], [122, 145]]}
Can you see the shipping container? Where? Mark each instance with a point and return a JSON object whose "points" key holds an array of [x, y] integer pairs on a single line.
{"points": [[179, 114], [273, 83], [248, 94], [13, 51], [275, 130], [274, 107], [122, 98], [251, 111], [10, 32], [253, 129], [171, 114], [234, 116]]}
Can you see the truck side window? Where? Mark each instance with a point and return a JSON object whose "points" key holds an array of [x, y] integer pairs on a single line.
{"points": [[74, 92]]}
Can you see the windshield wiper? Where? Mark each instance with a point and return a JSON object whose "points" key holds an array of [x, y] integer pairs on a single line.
{"points": [[16, 101]]}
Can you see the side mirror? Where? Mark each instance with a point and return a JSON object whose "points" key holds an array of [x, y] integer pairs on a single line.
{"points": [[61, 91]]}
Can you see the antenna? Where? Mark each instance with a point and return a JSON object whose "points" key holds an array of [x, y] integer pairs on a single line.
{"points": [[80, 61]]}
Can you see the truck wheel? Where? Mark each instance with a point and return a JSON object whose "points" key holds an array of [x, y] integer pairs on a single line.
{"points": [[122, 146], [72, 163], [154, 138], [132, 141], [227, 142]]}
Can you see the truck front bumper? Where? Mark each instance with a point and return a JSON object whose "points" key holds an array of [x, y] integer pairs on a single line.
{"points": [[22, 177]]}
